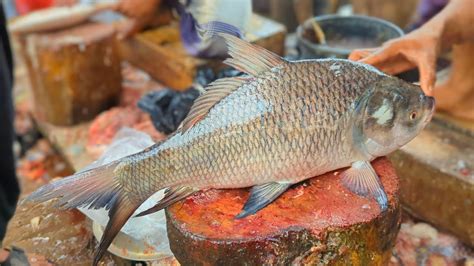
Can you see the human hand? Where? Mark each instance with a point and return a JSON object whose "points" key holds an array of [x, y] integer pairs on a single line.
{"points": [[140, 13], [454, 93], [138, 8], [419, 48]]}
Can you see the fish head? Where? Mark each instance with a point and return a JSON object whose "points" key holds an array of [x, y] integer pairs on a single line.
{"points": [[393, 113]]}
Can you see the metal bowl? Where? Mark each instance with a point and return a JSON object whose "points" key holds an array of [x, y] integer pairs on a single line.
{"points": [[344, 34]]}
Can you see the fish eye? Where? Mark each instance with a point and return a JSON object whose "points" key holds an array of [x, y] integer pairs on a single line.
{"points": [[413, 115]]}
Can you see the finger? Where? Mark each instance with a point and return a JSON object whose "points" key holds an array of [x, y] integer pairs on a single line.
{"points": [[426, 63], [383, 53], [427, 75], [126, 28], [121, 8], [395, 66], [376, 58], [138, 25], [358, 54], [125, 8]]}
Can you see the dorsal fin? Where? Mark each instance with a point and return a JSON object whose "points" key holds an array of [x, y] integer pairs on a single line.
{"points": [[249, 58], [215, 92], [246, 57]]}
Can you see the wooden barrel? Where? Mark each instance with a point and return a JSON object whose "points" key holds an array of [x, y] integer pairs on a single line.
{"points": [[318, 221]]}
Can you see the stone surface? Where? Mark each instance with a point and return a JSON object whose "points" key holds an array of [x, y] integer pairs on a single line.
{"points": [[74, 73], [436, 173], [317, 221]]}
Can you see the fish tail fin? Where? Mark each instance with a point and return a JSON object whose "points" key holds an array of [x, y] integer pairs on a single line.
{"points": [[122, 209], [93, 188]]}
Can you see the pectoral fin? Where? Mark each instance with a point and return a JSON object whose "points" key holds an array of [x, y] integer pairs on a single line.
{"points": [[362, 180], [261, 196]]}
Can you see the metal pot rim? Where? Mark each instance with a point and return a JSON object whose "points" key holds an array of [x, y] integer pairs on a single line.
{"points": [[328, 49]]}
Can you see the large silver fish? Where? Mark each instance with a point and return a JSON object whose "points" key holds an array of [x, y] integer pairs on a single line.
{"points": [[283, 123]]}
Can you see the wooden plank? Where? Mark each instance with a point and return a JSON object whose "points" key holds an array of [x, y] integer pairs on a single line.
{"points": [[160, 53]]}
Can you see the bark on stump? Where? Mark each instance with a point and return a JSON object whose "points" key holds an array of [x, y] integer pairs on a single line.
{"points": [[317, 222], [75, 73]]}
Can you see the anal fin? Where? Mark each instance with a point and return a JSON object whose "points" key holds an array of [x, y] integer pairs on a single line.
{"points": [[172, 195], [362, 180], [261, 196]]}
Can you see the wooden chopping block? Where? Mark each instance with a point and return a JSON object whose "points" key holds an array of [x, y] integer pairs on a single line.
{"points": [[316, 222], [74, 73]]}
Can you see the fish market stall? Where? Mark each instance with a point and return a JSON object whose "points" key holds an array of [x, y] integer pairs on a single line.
{"points": [[231, 138]]}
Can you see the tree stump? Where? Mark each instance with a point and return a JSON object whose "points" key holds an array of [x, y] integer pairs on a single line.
{"points": [[316, 222], [74, 73]]}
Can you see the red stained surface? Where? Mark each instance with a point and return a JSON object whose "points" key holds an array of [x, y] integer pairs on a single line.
{"points": [[26, 6], [107, 124], [316, 204], [104, 127]]}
